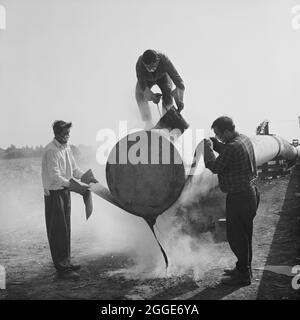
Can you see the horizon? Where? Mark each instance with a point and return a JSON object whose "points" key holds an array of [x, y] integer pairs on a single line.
{"points": [[76, 61], [35, 146]]}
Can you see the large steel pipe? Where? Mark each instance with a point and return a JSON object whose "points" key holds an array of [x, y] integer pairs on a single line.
{"points": [[147, 189], [267, 148]]}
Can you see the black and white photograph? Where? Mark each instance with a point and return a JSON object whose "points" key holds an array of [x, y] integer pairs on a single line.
{"points": [[149, 151]]}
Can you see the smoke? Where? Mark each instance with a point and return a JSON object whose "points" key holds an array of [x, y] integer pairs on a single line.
{"points": [[190, 239], [183, 230], [111, 230], [22, 220], [189, 254], [21, 197]]}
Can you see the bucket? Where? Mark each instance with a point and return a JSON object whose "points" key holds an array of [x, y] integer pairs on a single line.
{"points": [[220, 230], [171, 120]]}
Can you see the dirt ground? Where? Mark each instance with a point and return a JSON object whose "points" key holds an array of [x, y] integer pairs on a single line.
{"points": [[25, 254]]}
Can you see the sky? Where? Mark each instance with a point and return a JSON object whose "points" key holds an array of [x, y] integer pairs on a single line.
{"points": [[75, 60]]}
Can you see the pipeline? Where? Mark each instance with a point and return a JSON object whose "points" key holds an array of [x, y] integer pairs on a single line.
{"points": [[147, 190], [266, 148], [271, 147]]}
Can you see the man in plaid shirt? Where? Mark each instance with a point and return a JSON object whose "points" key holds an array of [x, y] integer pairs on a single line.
{"points": [[236, 169]]}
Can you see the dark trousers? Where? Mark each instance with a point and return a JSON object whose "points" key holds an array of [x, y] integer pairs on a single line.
{"points": [[57, 212], [240, 211], [165, 85]]}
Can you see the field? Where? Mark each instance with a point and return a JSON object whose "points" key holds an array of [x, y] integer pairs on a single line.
{"points": [[119, 256]]}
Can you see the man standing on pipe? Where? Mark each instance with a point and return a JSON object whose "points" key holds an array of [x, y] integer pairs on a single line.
{"points": [[155, 68], [236, 169]]}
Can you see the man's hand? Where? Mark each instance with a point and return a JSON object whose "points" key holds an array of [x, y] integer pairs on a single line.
{"points": [[180, 106], [208, 143], [93, 186], [156, 97], [217, 145], [88, 177], [178, 96], [77, 187]]}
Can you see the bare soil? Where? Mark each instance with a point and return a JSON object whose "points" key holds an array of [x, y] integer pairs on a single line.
{"points": [[25, 254]]}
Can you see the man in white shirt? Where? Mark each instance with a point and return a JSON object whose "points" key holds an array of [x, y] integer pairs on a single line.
{"points": [[58, 167]]}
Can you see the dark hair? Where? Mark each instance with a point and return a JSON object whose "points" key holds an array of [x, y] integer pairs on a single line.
{"points": [[223, 123], [149, 56], [59, 125]]}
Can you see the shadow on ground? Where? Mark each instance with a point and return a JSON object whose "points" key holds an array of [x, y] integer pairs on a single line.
{"points": [[285, 246]]}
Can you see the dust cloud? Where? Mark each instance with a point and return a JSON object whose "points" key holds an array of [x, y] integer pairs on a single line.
{"points": [[186, 233], [110, 230]]}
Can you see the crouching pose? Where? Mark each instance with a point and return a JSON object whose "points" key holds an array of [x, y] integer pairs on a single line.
{"points": [[155, 68]]}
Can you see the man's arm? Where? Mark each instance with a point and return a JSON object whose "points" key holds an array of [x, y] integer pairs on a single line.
{"points": [[217, 145], [174, 75], [219, 164], [139, 74], [178, 81]]}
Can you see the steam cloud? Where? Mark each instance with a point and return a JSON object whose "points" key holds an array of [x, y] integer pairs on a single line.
{"points": [[182, 229]]}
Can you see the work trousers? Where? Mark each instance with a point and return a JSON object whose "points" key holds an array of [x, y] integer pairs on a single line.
{"points": [[240, 211], [165, 85], [58, 218]]}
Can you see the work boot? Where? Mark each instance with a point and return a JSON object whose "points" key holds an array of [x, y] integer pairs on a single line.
{"points": [[67, 274], [74, 267], [238, 279], [230, 272]]}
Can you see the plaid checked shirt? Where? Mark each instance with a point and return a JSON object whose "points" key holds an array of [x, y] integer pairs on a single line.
{"points": [[235, 165]]}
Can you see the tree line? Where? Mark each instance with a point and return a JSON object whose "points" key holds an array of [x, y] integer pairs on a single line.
{"points": [[13, 152]]}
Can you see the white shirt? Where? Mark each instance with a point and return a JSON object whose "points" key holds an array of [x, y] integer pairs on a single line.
{"points": [[58, 166]]}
